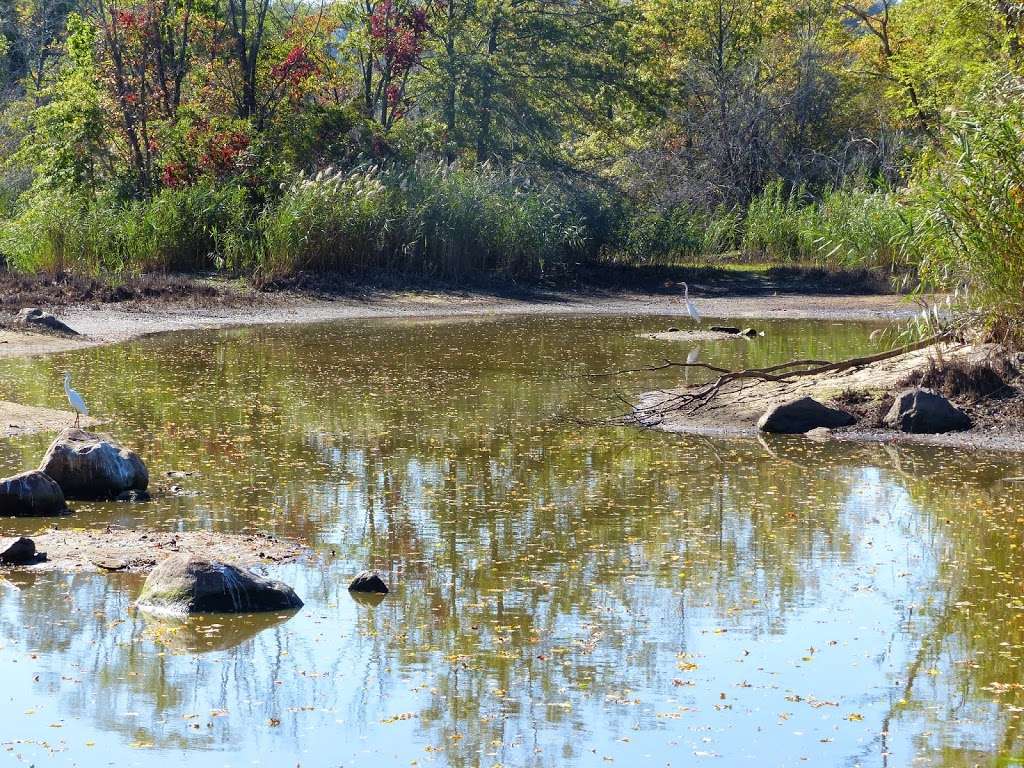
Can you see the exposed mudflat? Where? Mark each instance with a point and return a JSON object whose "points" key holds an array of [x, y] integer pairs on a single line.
{"points": [[122, 550], [735, 410]]}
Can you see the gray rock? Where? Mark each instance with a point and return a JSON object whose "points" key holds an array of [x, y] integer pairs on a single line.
{"points": [[185, 584], [924, 412], [19, 551], [31, 494], [37, 319], [88, 466], [369, 581], [799, 416]]}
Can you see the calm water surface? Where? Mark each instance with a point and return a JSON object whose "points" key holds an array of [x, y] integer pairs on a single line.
{"points": [[563, 596]]}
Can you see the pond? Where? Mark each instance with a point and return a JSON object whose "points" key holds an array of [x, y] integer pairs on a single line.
{"points": [[564, 595]]}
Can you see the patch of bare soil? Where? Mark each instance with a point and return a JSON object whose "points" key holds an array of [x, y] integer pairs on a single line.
{"points": [[19, 291], [122, 550], [867, 392]]}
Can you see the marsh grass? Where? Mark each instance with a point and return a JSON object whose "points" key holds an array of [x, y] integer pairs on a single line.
{"points": [[429, 220], [970, 236], [178, 230]]}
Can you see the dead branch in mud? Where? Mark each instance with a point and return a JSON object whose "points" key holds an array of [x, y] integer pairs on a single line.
{"points": [[703, 395]]}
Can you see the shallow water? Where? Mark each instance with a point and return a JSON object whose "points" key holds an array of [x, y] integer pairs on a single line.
{"points": [[564, 595]]}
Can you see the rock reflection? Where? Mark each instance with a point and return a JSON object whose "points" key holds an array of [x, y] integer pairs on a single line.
{"points": [[208, 632]]}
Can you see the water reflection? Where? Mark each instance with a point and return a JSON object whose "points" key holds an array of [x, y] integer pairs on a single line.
{"points": [[562, 596]]}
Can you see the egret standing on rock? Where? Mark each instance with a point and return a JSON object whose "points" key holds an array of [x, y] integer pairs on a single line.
{"points": [[75, 399], [689, 304]]}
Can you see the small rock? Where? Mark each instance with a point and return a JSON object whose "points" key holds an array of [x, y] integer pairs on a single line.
{"points": [[31, 494], [731, 329], [20, 551], [924, 412], [185, 584], [800, 416], [33, 317], [88, 466], [369, 581], [133, 497]]}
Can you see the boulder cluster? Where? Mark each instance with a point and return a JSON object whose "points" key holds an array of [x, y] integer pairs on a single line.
{"points": [[77, 465], [86, 466], [916, 411]]}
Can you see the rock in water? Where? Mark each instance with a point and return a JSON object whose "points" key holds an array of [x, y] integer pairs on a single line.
{"points": [[369, 581], [185, 584], [31, 494], [33, 317], [924, 412], [18, 551], [87, 466], [799, 416]]}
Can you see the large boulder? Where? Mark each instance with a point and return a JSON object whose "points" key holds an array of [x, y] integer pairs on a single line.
{"points": [[88, 466], [799, 416], [31, 494], [184, 584], [36, 319], [924, 412]]}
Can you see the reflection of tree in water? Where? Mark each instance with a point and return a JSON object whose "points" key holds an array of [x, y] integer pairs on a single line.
{"points": [[962, 689]]}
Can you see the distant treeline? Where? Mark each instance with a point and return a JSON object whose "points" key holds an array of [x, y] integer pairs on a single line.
{"points": [[514, 136]]}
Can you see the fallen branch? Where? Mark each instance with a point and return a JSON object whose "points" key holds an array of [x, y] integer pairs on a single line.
{"points": [[700, 397]]}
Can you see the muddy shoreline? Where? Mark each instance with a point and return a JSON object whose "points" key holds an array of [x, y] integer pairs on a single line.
{"points": [[218, 304], [734, 412]]}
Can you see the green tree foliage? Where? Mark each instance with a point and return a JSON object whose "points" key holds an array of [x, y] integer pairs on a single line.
{"points": [[645, 129]]}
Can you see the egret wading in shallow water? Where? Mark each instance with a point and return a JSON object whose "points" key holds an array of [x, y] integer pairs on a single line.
{"points": [[75, 399], [690, 307]]}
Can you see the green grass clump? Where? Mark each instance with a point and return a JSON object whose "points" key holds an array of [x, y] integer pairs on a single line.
{"points": [[429, 220], [178, 230]]}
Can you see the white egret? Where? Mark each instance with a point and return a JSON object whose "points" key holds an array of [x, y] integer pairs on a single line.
{"points": [[75, 399], [689, 304]]}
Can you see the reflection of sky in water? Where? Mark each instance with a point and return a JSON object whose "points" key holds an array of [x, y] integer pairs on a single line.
{"points": [[564, 596]]}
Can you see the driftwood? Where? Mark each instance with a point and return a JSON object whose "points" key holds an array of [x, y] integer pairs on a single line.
{"points": [[694, 399]]}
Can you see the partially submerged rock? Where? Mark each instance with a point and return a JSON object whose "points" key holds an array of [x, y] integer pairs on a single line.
{"points": [[370, 582], [19, 551], [924, 412], [37, 319], [88, 466], [31, 494], [184, 584], [796, 417]]}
